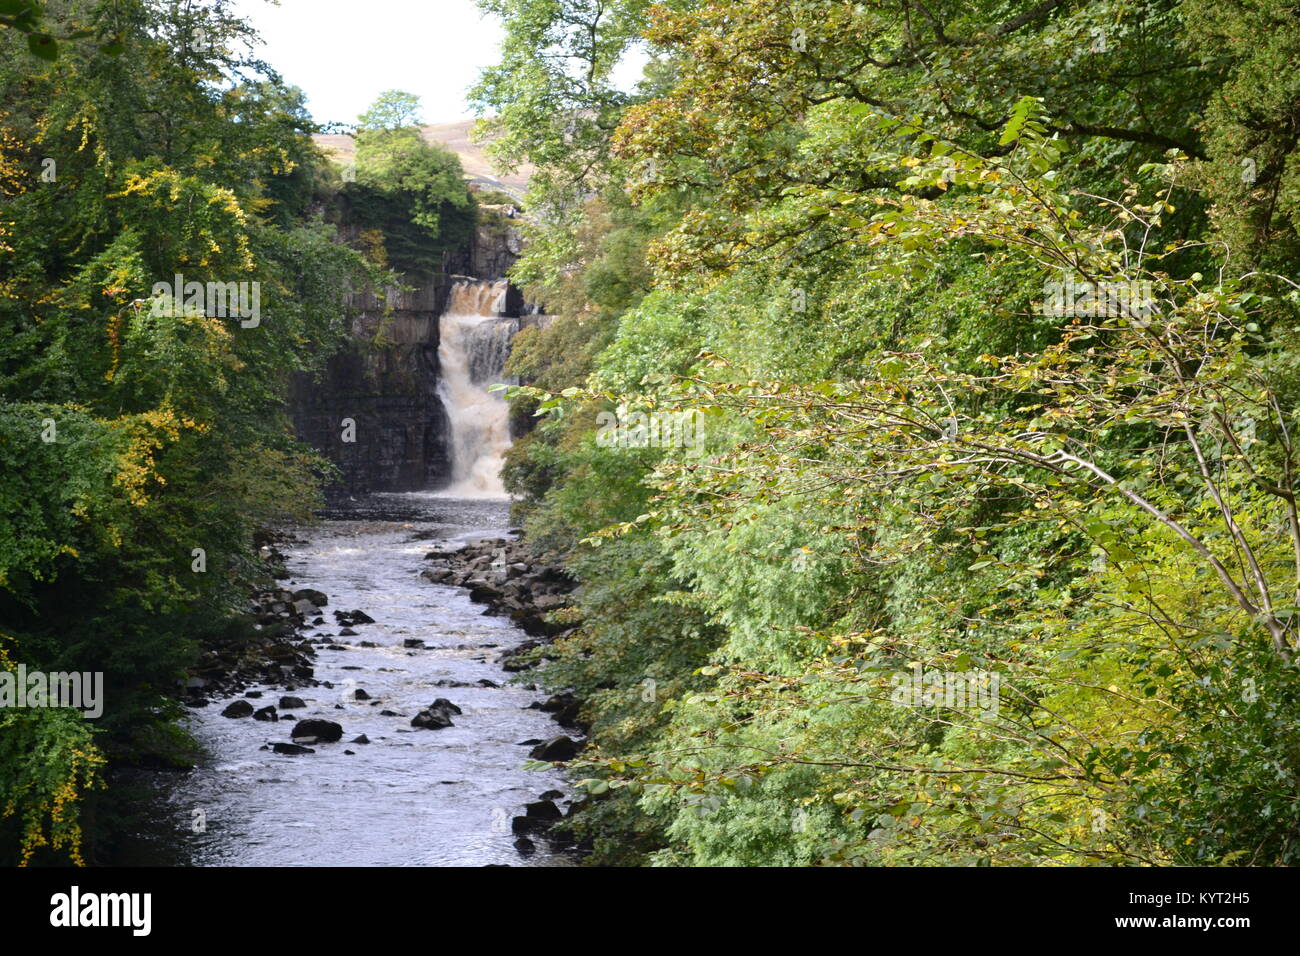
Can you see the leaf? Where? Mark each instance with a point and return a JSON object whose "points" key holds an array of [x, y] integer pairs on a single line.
{"points": [[43, 46]]}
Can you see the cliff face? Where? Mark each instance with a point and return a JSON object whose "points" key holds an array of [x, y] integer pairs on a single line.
{"points": [[496, 244], [385, 382], [375, 412]]}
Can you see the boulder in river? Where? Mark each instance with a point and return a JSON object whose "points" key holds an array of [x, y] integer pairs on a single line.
{"points": [[317, 598], [557, 748], [266, 713], [291, 749], [431, 720], [323, 730], [350, 618], [240, 708], [289, 703], [566, 708], [543, 810], [529, 824]]}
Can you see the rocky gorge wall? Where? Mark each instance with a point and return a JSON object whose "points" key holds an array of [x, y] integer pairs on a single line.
{"points": [[375, 411]]}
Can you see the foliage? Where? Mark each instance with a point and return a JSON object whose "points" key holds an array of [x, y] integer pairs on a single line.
{"points": [[392, 110], [410, 191], [856, 240], [135, 429]]}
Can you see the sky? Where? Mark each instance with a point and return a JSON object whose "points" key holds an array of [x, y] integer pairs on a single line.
{"points": [[344, 53], [342, 60]]}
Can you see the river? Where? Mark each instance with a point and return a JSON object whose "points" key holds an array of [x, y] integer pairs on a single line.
{"points": [[410, 797]]}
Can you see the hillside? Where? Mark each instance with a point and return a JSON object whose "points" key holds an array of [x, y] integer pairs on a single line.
{"points": [[455, 137]]}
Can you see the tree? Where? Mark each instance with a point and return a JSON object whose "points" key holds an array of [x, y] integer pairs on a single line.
{"points": [[997, 395], [392, 110], [414, 193], [134, 428]]}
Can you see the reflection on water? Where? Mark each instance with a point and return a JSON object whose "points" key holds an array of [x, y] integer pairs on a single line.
{"points": [[410, 797]]}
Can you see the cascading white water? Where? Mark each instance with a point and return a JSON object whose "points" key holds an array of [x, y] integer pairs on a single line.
{"points": [[473, 348]]}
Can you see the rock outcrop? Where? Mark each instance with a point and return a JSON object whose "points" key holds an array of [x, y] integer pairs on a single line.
{"points": [[375, 411]]}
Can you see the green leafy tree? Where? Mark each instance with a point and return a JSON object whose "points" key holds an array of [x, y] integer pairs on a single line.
{"points": [[928, 452], [135, 429], [392, 110]]}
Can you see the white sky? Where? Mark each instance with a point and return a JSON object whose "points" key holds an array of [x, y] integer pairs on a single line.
{"points": [[344, 53]]}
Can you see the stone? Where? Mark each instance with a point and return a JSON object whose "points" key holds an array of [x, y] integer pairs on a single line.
{"points": [[566, 710], [432, 720], [325, 730], [543, 810], [240, 708], [317, 598], [291, 749], [557, 748]]}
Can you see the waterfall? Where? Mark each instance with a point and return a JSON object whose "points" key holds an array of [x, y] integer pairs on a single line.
{"points": [[473, 348]]}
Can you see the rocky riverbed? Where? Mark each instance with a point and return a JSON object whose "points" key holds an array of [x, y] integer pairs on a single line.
{"points": [[502, 574], [371, 718]]}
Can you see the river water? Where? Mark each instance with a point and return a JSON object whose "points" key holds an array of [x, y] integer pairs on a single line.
{"points": [[410, 797]]}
